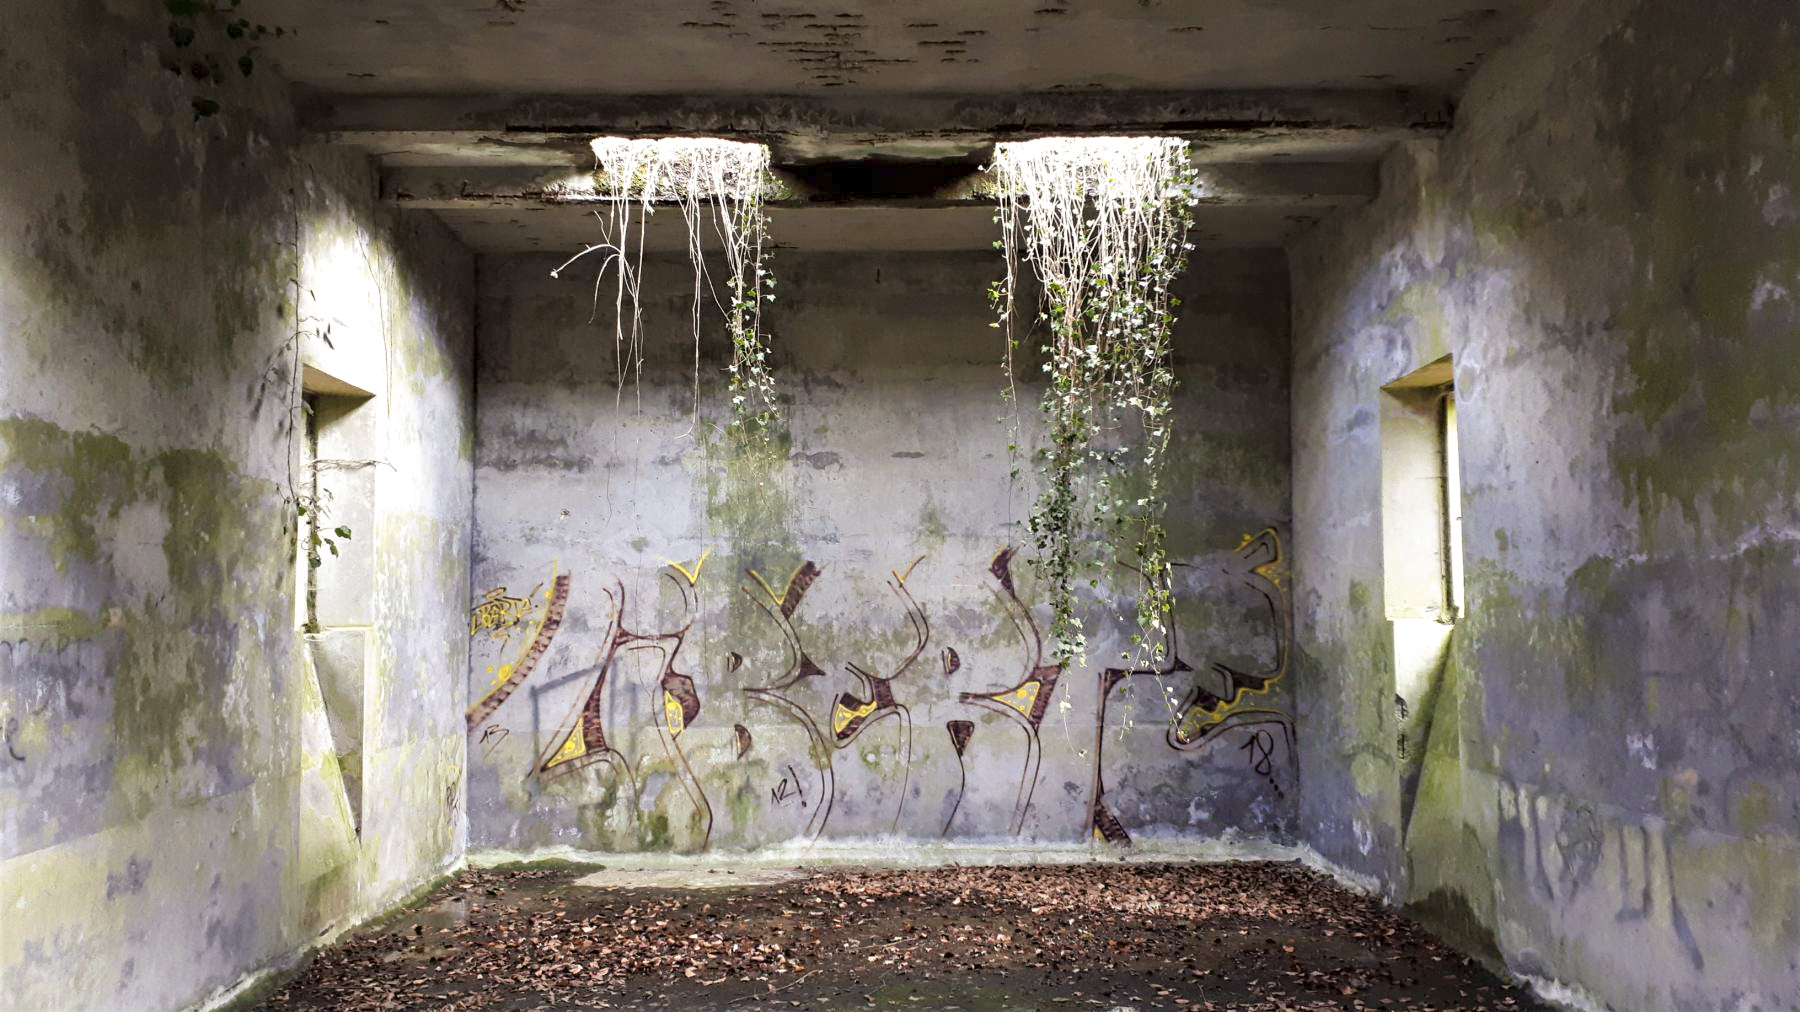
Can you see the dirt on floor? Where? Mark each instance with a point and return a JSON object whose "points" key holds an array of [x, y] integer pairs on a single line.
{"points": [[1108, 936]]}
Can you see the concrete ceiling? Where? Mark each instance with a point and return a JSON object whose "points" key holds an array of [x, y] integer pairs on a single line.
{"points": [[894, 46], [476, 109]]}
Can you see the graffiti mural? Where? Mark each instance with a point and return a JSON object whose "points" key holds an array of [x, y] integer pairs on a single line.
{"points": [[852, 712], [777, 735]]}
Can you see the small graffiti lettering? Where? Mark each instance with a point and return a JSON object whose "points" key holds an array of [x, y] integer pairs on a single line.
{"points": [[491, 737], [788, 790], [498, 614], [1261, 747]]}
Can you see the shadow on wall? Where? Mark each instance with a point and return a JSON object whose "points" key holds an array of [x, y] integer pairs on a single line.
{"points": [[862, 747]]}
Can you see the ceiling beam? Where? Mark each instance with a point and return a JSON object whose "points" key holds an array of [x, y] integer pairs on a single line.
{"points": [[566, 229], [1274, 184], [827, 128]]}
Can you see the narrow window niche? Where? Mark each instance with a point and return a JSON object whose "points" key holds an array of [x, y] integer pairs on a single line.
{"points": [[1421, 540], [334, 574]]}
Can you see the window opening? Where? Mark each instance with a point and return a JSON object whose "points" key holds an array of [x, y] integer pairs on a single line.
{"points": [[1422, 569], [1452, 510]]}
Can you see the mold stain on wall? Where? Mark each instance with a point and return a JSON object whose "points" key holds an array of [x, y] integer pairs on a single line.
{"points": [[1605, 245]]}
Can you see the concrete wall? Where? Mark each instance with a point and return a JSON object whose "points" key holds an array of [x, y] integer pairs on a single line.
{"points": [[172, 775], [1609, 246], [892, 476]]}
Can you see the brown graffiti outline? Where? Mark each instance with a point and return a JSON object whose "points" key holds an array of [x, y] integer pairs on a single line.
{"points": [[960, 732], [851, 716], [1101, 820], [679, 700], [800, 666], [1027, 701], [588, 720]]}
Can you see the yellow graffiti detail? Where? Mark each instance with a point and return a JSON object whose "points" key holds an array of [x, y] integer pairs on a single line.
{"points": [[1189, 729], [841, 715], [1270, 570], [1192, 730], [497, 594], [498, 613], [1194, 726], [900, 578], [673, 715], [770, 591], [573, 747], [1021, 698], [692, 576]]}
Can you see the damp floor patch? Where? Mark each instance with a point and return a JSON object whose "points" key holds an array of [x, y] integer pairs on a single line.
{"points": [[1246, 935], [688, 878]]}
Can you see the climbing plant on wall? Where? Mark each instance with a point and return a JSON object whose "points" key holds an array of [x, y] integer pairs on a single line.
{"points": [[716, 184], [206, 35], [1102, 224]]}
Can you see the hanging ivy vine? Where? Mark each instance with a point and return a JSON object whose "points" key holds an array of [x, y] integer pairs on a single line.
{"points": [[1102, 224], [721, 184]]}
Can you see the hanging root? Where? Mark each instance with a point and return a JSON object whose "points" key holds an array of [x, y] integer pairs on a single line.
{"points": [[1103, 224], [725, 181]]}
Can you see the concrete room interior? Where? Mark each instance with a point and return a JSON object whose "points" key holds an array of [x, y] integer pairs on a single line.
{"points": [[1484, 471]]}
